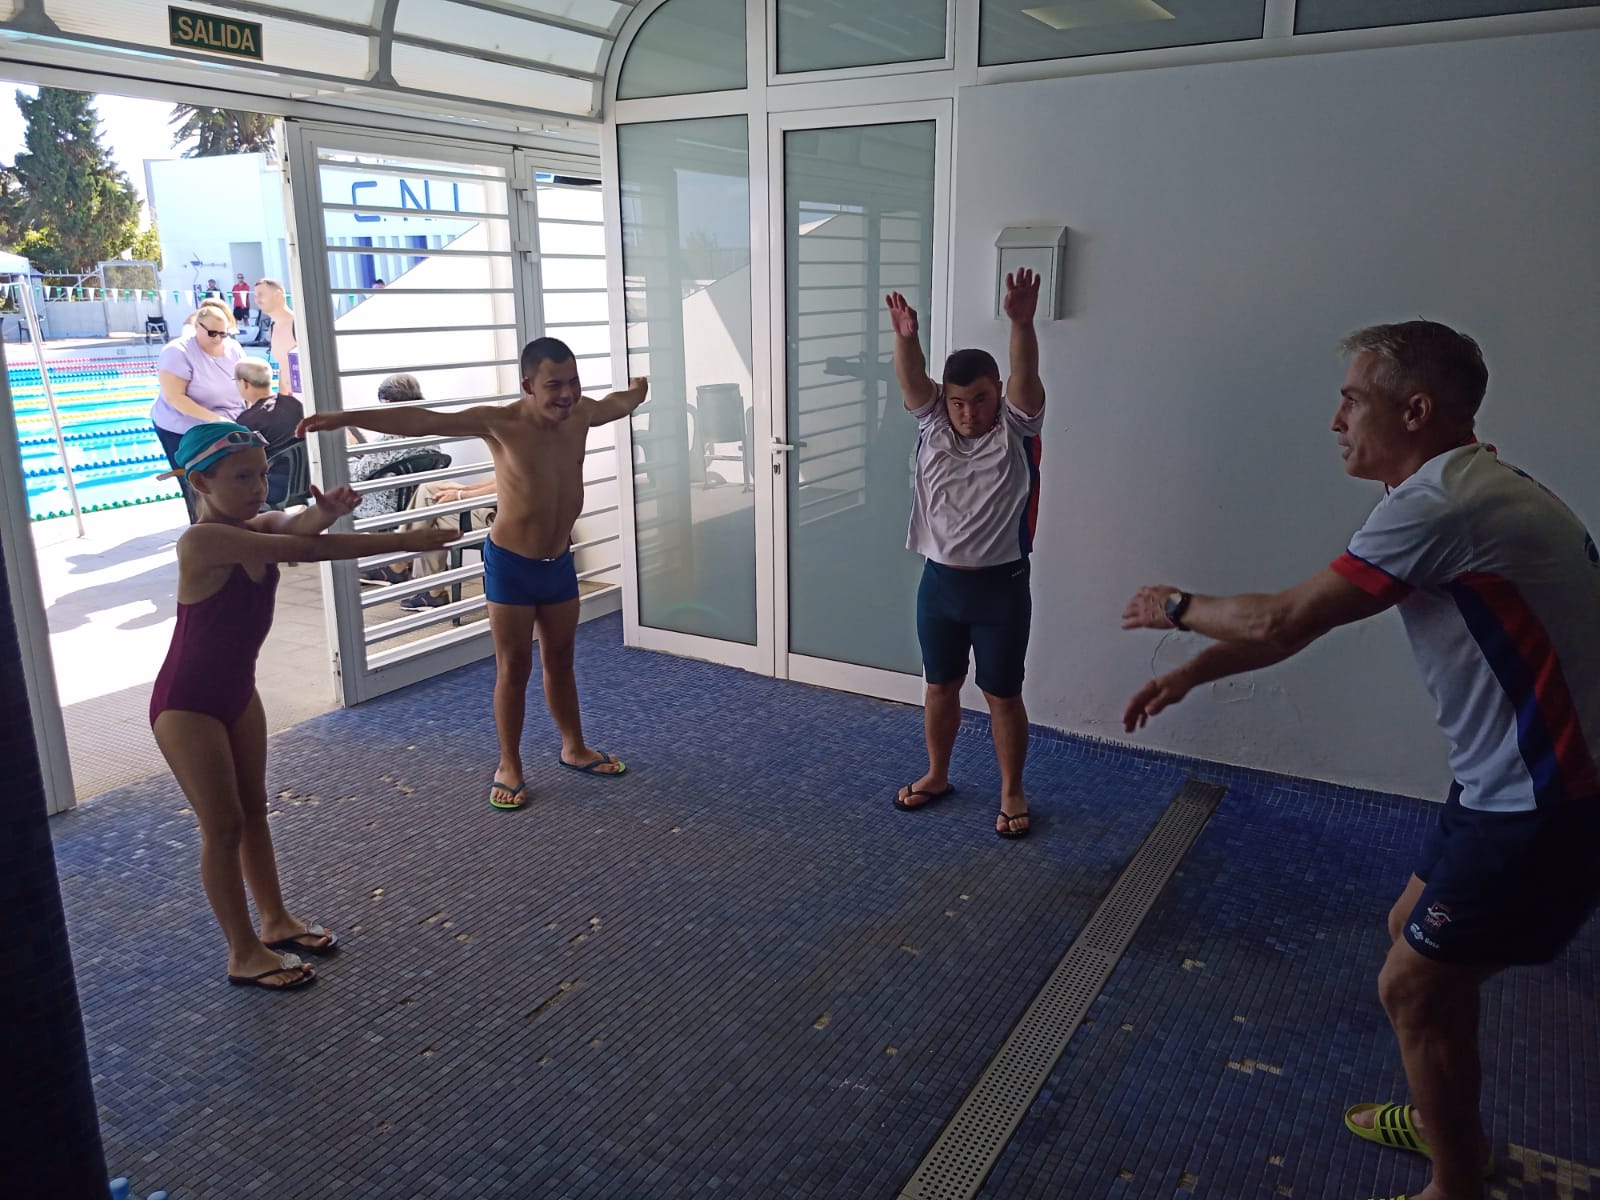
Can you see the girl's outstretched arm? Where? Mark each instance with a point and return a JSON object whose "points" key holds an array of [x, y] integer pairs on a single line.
{"points": [[217, 545], [323, 511]]}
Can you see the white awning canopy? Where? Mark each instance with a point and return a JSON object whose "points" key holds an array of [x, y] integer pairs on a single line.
{"points": [[503, 63]]}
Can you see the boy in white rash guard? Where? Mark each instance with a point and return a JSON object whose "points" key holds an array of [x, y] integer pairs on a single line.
{"points": [[974, 508]]}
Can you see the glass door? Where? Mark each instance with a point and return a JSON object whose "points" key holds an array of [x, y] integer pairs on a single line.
{"points": [[700, 479], [861, 204]]}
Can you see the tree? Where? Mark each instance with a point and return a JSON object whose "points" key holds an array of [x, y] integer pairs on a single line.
{"points": [[11, 201], [221, 131], [147, 246], [79, 207]]}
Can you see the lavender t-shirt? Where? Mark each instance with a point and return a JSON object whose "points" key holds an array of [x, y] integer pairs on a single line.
{"points": [[208, 380]]}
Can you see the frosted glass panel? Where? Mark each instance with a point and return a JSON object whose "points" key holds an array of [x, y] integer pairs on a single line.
{"points": [[820, 35], [858, 223], [686, 272], [1318, 16], [686, 46], [1012, 31]]}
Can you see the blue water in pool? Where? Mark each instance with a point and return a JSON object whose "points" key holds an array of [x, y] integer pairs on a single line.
{"points": [[112, 448]]}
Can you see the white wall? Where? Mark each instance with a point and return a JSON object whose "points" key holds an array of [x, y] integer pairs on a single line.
{"points": [[200, 206], [1228, 224]]}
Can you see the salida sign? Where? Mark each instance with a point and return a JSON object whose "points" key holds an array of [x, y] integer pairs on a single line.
{"points": [[220, 35]]}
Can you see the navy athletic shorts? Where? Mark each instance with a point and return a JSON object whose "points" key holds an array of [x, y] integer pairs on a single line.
{"points": [[1506, 888]]}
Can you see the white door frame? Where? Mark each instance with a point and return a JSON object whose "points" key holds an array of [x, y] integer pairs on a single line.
{"points": [[357, 679], [849, 677], [28, 613]]}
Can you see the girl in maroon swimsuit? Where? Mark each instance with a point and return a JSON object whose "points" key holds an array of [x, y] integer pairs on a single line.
{"points": [[205, 712]]}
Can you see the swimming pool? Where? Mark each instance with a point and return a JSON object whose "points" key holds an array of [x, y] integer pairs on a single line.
{"points": [[112, 449]]}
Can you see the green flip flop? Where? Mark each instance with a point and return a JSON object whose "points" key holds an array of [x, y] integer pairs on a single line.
{"points": [[503, 805], [1392, 1127]]}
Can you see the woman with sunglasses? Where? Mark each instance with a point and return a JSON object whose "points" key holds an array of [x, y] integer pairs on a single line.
{"points": [[196, 374], [204, 710]]}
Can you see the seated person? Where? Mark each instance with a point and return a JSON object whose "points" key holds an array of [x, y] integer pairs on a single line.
{"points": [[403, 389], [273, 416], [395, 389], [443, 491]]}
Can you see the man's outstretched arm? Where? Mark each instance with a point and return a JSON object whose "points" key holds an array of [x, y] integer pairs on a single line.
{"points": [[1252, 631], [1024, 389], [910, 366]]}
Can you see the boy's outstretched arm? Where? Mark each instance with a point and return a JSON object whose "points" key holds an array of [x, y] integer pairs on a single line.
{"points": [[405, 421], [619, 404]]}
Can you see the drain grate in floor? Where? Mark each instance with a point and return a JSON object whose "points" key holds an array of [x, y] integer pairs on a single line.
{"points": [[968, 1147]]}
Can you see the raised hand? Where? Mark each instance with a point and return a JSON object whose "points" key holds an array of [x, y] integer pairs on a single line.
{"points": [[1148, 608], [1022, 295], [1154, 696], [902, 314], [338, 502], [640, 384]]}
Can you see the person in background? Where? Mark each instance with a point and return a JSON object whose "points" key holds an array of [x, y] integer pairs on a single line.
{"points": [[444, 491], [274, 417], [195, 371], [222, 310], [395, 389], [241, 299], [273, 301]]}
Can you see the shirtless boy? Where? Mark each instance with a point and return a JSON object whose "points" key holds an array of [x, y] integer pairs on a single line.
{"points": [[537, 443]]}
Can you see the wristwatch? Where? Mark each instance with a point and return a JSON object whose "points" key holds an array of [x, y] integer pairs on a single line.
{"points": [[1177, 604]]}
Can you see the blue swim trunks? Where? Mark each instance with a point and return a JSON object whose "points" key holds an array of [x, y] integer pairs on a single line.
{"points": [[509, 578]]}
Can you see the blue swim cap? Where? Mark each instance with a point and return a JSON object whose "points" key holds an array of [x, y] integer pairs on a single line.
{"points": [[206, 445]]}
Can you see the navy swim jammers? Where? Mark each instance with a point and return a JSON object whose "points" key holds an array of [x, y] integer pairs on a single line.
{"points": [[984, 613]]}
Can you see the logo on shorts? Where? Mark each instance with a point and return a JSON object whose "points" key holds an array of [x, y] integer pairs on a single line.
{"points": [[1416, 932], [1436, 917]]}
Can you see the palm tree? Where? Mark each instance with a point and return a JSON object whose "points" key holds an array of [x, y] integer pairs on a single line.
{"points": [[222, 131]]}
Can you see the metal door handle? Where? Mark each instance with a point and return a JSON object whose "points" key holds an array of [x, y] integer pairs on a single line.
{"points": [[784, 446]]}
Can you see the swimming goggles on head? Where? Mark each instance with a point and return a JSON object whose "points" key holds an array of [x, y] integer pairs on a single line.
{"points": [[229, 443]]}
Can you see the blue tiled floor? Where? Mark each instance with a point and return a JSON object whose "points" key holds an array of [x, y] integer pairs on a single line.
{"points": [[737, 971]]}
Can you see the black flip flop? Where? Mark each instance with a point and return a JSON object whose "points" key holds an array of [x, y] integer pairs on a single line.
{"points": [[312, 930], [289, 962], [900, 801], [1009, 832]]}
